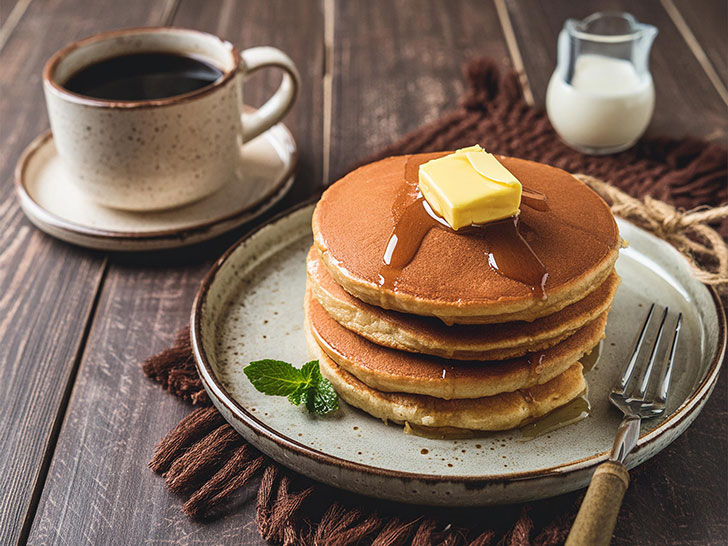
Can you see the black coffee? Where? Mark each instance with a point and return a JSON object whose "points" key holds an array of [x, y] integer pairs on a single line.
{"points": [[143, 76]]}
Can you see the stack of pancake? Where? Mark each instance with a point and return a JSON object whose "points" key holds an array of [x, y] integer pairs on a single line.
{"points": [[451, 341]]}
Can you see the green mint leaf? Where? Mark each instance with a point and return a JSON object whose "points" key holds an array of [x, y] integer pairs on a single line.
{"points": [[299, 396], [303, 386], [274, 377], [305, 396], [324, 399], [311, 372]]}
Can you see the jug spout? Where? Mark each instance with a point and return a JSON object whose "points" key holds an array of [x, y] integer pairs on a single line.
{"points": [[644, 37], [613, 34]]}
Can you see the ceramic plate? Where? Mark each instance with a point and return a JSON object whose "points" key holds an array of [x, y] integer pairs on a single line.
{"points": [[53, 203], [250, 307]]}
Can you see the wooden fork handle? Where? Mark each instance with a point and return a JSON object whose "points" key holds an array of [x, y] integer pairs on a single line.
{"points": [[597, 515]]}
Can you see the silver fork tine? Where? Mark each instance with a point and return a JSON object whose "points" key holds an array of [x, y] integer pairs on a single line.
{"points": [[647, 372], [627, 374], [667, 374]]}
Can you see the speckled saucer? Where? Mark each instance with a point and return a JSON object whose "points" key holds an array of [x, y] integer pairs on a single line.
{"points": [[55, 205], [250, 307]]}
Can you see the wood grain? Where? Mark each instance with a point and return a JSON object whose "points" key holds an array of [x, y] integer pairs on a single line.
{"points": [[11, 11], [708, 20], [687, 104], [47, 288], [397, 65], [99, 489], [298, 31], [594, 524], [6, 6]]}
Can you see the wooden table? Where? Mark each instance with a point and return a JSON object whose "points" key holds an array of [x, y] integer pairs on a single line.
{"points": [[78, 420]]}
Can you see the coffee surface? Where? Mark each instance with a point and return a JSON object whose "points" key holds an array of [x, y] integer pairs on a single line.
{"points": [[143, 76]]}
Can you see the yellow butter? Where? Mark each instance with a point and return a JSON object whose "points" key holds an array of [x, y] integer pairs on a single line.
{"points": [[469, 187]]}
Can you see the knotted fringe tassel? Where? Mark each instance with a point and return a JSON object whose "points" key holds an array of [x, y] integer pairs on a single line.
{"points": [[174, 369]]}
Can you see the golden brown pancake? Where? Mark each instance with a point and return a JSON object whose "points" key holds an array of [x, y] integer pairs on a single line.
{"points": [[499, 412], [390, 370], [577, 240], [428, 335]]}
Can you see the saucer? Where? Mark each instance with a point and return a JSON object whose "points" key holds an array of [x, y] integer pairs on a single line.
{"points": [[55, 205]]}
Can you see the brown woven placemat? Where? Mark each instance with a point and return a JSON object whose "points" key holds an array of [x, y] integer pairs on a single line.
{"points": [[214, 469]]}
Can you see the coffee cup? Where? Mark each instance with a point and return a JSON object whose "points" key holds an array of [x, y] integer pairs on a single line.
{"points": [[152, 118]]}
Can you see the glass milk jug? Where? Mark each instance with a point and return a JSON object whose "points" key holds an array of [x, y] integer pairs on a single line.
{"points": [[601, 97]]}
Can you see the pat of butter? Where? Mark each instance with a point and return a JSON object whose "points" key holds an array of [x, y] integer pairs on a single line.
{"points": [[469, 187]]}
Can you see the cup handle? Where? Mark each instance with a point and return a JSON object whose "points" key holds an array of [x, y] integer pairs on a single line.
{"points": [[280, 103]]}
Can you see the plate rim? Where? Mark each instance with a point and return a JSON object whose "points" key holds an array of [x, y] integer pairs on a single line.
{"points": [[36, 210], [236, 410]]}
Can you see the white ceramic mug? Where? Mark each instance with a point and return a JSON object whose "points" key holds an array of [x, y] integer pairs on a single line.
{"points": [[160, 153]]}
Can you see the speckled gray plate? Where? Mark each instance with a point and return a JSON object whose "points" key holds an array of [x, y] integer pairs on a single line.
{"points": [[250, 307], [52, 202]]}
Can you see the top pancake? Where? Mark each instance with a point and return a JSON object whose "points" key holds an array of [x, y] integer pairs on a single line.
{"points": [[577, 240]]}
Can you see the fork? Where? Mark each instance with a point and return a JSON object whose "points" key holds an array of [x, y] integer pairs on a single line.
{"points": [[597, 515]]}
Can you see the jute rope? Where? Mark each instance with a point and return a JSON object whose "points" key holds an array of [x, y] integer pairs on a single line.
{"points": [[688, 231]]}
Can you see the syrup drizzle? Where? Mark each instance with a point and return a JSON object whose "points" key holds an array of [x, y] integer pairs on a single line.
{"points": [[508, 253], [572, 412], [534, 199], [590, 359]]}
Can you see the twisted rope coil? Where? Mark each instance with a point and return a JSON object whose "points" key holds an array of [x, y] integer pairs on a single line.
{"points": [[688, 231]]}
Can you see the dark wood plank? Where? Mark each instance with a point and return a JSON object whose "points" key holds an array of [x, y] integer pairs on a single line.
{"points": [[47, 288], [708, 21], [6, 8], [687, 104], [99, 489], [397, 65]]}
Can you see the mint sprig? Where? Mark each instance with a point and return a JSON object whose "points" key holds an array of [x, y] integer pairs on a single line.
{"points": [[305, 386]]}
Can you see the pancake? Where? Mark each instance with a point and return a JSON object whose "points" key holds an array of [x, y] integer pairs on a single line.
{"points": [[390, 370], [450, 277], [429, 335], [499, 412]]}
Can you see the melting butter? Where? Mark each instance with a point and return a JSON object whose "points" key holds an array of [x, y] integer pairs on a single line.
{"points": [[470, 187]]}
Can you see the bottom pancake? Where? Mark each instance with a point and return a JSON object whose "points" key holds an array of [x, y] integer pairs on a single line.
{"points": [[500, 412]]}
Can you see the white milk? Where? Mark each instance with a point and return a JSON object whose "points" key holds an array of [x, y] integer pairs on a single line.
{"points": [[606, 107]]}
